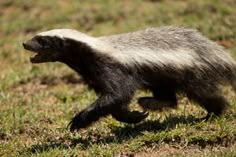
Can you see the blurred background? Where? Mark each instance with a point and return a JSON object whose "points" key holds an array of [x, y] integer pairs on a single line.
{"points": [[37, 101]]}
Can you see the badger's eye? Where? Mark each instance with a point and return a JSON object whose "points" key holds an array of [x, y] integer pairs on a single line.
{"points": [[43, 43]]}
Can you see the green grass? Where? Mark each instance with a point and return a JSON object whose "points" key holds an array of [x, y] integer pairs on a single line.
{"points": [[38, 101]]}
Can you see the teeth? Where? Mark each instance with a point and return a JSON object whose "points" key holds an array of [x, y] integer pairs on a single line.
{"points": [[33, 57]]}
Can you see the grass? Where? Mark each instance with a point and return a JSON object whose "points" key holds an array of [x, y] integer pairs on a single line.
{"points": [[38, 101]]}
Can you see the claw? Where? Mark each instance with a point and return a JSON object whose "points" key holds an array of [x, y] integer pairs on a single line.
{"points": [[75, 123], [69, 125], [81, 120], [72, 126]]}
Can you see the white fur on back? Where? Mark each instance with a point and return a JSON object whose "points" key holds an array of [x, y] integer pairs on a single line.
{"points": [[179, 58]]}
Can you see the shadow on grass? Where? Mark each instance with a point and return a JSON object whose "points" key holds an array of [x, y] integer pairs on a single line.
{"points": [[118, 134]]}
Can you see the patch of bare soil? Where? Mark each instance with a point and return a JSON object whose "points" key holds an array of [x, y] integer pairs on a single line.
{"points": [[227, 43], [37, 84]]}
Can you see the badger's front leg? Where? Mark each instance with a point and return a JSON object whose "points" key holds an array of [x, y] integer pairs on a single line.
{"points": [[104, 105], [92, 113]]}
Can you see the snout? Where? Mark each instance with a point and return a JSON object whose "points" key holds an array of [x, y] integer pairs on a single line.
{"points": [[24, 45], [31, 45]]}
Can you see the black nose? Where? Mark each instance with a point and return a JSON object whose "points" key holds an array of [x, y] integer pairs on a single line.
{"points": [[24, 45]]}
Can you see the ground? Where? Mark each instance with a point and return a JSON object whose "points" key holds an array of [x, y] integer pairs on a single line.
{"points": [[38, 101]]}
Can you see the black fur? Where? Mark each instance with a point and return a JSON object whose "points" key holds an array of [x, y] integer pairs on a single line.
{"points": [[116, 83], [113, 82]]}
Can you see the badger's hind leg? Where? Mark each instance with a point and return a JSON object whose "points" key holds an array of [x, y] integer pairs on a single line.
{"points": [[213, 102], [162, 98]]}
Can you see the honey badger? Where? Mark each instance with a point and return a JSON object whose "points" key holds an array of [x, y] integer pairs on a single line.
{"points": [[163, 60]]}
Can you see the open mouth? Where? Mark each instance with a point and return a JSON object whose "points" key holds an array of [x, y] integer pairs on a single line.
{"points": [[41, 57], [38, 57]]}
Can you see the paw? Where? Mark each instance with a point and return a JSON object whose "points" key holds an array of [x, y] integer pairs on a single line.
{"points": [[74, 124], [77, 122], [130, 117], [136, 116]]}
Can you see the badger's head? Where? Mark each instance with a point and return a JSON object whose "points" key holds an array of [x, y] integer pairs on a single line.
{"points": [[54, 45], [46, 48]]}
